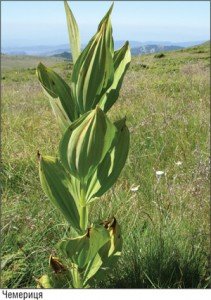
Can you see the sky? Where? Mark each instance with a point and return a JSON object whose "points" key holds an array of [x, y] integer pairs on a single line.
{"points": [[32, 23]]}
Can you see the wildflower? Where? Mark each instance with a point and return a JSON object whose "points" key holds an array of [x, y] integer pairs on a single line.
{"points": [[134, 188], [178, 163], [159, 174]]}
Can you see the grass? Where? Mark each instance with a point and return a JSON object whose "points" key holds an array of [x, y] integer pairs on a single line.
{"points": [[18, 62], [165, 224]]}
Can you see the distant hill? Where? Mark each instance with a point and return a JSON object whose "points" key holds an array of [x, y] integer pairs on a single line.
{"points": [[134, 51], [203, 48], [143, 47], [16, 52], [65, 55], [153, 49], [207, 43]]}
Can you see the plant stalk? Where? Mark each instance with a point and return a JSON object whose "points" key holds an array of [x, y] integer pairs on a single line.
{"points": [[83, 209]]}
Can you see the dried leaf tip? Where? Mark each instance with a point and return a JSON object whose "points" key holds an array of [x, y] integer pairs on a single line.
{"points": [[38, 156]]}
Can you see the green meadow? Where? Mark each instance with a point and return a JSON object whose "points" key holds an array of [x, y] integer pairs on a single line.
{"points": [[165, 219]]}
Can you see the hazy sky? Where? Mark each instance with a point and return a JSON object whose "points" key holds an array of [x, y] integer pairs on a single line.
{"points": [[26, 23]]}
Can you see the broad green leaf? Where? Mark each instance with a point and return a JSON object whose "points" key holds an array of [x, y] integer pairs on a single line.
{"points": [[109, 39], [108, 254], [82, 250], [114, 245], [57, 185], [63, 146], [45, 282], [110, 168], [73, 31], [54, 281], [84, 146], [76, 189], [92, 268], [93, 71], [75, 247], [61, 117], [60, 95], [122, 58], [76, 276], [116, 238]]}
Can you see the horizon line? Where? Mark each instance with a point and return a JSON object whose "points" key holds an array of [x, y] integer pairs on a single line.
{"points": [[138, 41]]}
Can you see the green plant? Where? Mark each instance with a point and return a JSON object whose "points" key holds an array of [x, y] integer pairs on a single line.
{"points": [[92, 153], [159, 55]]}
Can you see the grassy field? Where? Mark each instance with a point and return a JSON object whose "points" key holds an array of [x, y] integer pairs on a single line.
{"points": [[165, 222]]}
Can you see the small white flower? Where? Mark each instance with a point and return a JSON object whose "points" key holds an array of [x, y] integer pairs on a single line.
{"points": [[159, 174], [178, 163], [134, 188]]}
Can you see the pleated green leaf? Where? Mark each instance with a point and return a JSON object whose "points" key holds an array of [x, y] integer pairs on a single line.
{"points": [[109, 38], [54, 280], [63, 146], [57, 185], [45, 282], [92, 268], [93, 71], [73, 31], [60, 95], [107, 255], [82, 250], [110, 168], [86, 142], [111, 251], [115, 247], [122, 58]]}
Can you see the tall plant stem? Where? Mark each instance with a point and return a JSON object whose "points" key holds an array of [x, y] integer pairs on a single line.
{"points": [[83, 209]]}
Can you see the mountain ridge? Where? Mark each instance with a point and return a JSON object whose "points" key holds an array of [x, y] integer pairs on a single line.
{"points": [[44, 50]]}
